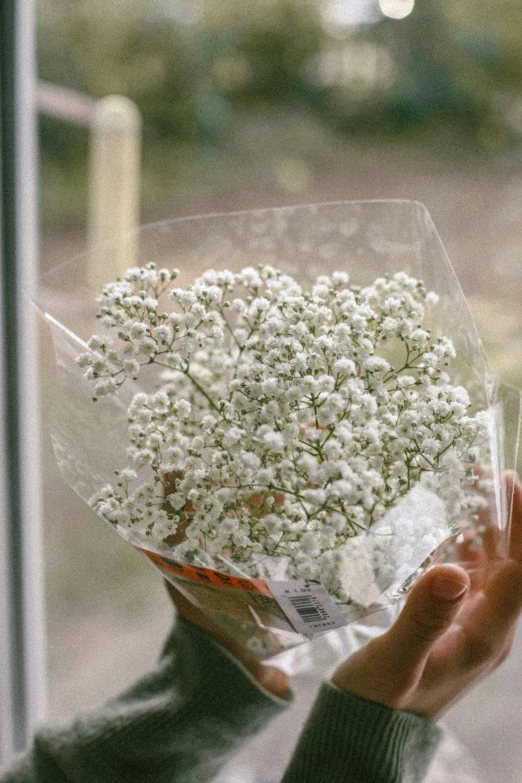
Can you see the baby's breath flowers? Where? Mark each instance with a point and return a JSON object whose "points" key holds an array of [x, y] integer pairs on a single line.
{"points": [[285, 423]]}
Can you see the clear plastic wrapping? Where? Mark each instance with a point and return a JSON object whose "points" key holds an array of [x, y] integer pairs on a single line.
{"points": [[265, 603]]}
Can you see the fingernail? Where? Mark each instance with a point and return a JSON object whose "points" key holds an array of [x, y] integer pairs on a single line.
{"points": [[446, 588], [274, 680]]}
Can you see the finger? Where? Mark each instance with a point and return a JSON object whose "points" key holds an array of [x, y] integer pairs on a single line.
{"points": [[493, 613], [514, 488], [271, 679], [504, 592], [482, 535], [470, 552], [431, 608]]}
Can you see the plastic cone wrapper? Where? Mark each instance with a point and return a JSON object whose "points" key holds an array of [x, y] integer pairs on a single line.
{"points": [[293, 425]]}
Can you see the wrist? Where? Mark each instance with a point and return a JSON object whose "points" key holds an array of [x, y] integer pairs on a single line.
{"points": [[268, 677]]}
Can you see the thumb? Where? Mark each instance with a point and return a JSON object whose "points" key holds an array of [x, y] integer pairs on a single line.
{"points": [[431, 608]]}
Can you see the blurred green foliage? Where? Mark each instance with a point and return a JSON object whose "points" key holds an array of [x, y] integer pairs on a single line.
{"points": [[448, 74], [183, 69]]}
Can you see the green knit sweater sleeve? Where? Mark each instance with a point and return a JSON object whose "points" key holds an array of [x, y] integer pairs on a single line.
{"points": [[182, 722], [350, 740], [179, 724]]}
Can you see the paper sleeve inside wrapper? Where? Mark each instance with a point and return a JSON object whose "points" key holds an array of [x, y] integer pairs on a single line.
{"points": [[367, 240]]}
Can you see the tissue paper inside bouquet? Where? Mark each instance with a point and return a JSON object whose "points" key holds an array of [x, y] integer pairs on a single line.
{"points": [[287, 411]]}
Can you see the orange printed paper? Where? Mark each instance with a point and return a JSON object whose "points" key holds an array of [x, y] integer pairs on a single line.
{"points": [[206, 576]]}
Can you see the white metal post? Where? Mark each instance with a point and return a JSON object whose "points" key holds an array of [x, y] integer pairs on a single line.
{"points": [[22, 625], [114, 188]]}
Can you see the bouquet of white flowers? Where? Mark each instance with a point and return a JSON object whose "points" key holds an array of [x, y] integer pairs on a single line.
{"points": [[293, 448]]}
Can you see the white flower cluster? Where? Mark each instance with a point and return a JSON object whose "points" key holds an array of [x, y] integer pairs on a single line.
{"points": [[287, 422]]}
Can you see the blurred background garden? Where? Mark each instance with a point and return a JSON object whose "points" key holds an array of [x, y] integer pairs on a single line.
{"points": [[257, 103]]}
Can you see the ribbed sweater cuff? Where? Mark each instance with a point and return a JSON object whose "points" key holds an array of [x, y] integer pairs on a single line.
{"points": [[179, 723], [221, 679], [351, 740]]}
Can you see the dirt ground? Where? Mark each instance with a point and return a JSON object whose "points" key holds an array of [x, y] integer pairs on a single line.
{"points": [[107, 610]]}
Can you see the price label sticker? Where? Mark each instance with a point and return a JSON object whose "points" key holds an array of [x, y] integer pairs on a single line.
{"points": [[307, 605], [300, 605]]}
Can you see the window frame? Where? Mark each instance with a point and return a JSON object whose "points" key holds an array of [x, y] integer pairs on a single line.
{"points": [[22, 600]]}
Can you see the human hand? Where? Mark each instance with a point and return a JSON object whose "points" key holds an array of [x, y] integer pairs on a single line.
{"points": [[269, 677], [452, 632]]}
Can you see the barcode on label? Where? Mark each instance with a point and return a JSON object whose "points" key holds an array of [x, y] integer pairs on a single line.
{"points": [[307, 608], [307, 605]]}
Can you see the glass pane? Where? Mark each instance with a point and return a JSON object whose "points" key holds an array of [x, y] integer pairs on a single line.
{"points": [[249, 105]]}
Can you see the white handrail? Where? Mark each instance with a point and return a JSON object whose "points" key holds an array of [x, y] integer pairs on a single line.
{"points": [[114, 174], [114, 189], [64, 104]]}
